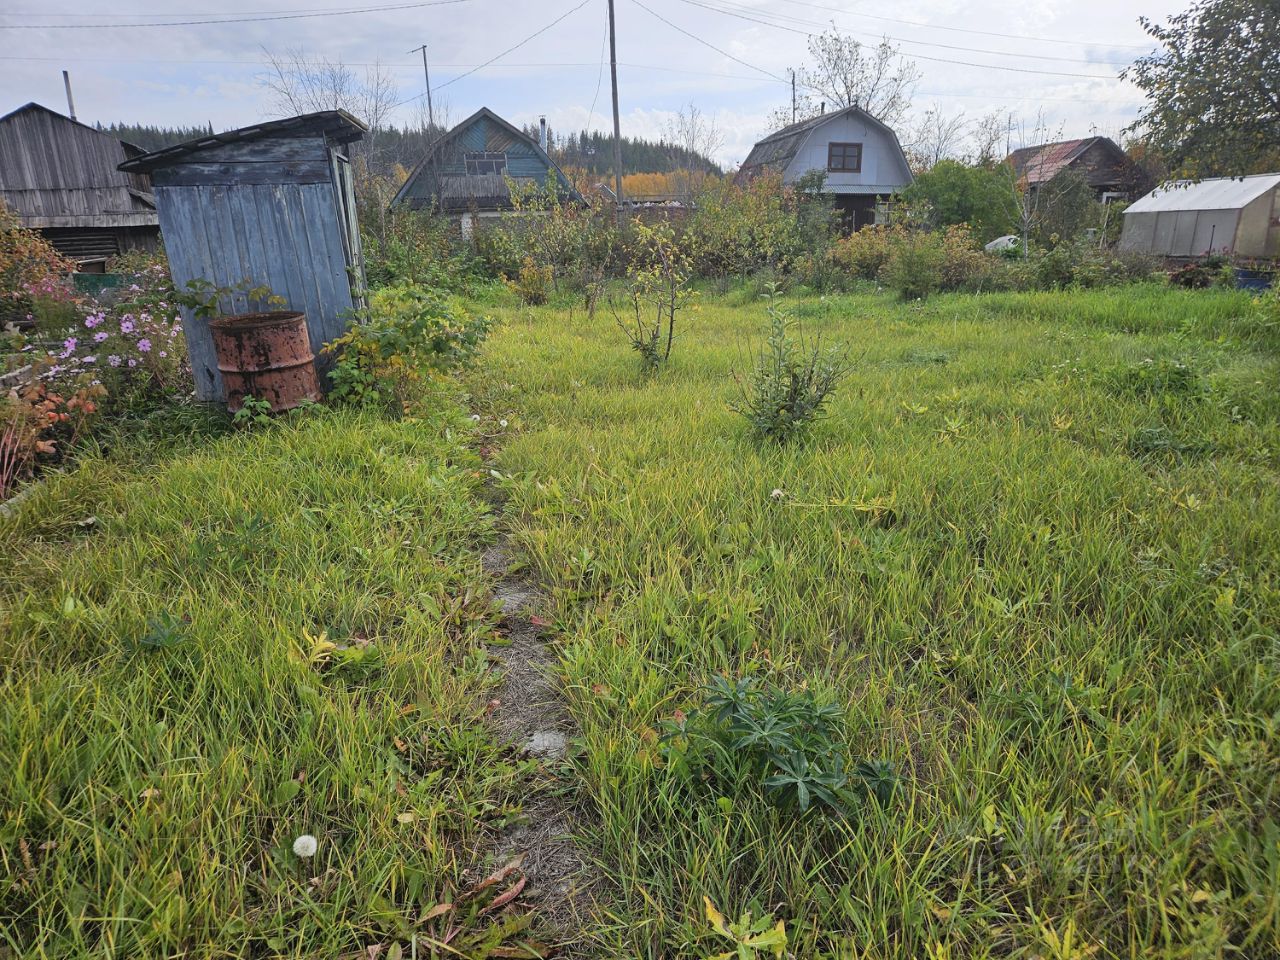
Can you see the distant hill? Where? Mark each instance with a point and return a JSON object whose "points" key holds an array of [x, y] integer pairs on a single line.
{"points": [[591, 152]]}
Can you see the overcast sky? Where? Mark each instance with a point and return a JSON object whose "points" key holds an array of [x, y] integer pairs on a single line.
{"points": [[1059, 56]]}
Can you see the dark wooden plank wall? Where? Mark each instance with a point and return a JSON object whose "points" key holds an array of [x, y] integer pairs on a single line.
{"points": [[62, 174], [285, 235]]}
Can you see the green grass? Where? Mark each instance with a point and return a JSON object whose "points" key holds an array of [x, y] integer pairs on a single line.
{"points": [[1036, 572], [168, 726], [1068, 650]]}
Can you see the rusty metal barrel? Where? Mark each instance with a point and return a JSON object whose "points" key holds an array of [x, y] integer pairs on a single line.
{"points": [[267, 356]]}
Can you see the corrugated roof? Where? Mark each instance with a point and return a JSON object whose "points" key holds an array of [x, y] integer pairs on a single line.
{"points": [[1041, 163], [1226, 193]]}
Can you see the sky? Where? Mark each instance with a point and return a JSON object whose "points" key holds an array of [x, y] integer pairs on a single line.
{"points": [[1056, 59]]}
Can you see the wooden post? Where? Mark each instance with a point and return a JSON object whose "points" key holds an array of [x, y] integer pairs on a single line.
{"points": [[617, 126]]}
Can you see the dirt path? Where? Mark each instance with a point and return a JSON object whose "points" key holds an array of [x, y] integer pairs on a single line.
{"points": [[531, 718]]}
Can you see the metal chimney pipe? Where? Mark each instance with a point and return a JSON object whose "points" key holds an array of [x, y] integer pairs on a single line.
{"points": [[71, 104], [542, 133], [822, 108]]}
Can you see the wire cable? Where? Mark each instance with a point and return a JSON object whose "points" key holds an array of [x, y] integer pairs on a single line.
{"points": [[705, 43], [192, 23], [727, 10], [491, 60], [918, 56]]}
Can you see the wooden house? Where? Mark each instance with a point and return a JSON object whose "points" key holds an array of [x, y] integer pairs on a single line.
{"points": [[860, 156], [270, 205], [1109, 170], [61, 178], [470, 170]]}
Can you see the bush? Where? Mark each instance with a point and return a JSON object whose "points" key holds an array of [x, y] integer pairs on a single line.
{"points": [[791, 383], [532, 283], [407, 335], [414, 246], [747, 735], [31, 270], [865, 252], [659, 290], [915, 266], [1085, 264]]}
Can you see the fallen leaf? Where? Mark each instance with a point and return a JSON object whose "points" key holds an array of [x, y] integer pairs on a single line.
{"points": [[539, 621], [149, 793], [406, 817]]}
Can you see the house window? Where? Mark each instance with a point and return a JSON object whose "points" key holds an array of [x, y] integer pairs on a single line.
{"points": [[844, 157], [485, 162]]}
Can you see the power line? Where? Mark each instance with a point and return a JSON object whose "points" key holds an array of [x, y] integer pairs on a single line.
{"points": [[752, 78], [983, 33], [705, 43], [604, 44], [192, 23], [725, 9], [918, 56], [511, 49]]}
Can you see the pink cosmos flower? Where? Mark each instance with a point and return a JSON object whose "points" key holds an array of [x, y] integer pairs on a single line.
{"points": [[144, 345], [100, 336], [126, 325]]}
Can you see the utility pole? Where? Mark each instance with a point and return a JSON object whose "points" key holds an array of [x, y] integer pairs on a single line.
{"points": [[793, 95], [617, 126], [426, 77], [71, 104]]}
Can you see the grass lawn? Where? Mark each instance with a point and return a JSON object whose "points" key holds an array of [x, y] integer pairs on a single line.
{"points": [[1031, 556]]}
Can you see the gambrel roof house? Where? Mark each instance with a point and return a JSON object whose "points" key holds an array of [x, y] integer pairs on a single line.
{"points": [[59, 176], [468, 169], [861, 157], [1104, 164]]}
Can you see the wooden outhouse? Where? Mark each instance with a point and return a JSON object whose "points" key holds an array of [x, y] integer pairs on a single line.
{"points": [[269, 205]]}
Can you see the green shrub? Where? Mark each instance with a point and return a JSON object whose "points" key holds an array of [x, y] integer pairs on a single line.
{"points": [[865, 252], [658, 283], [531, 283], [791, 383], [915, 266], [748, 735], [407, 335]]}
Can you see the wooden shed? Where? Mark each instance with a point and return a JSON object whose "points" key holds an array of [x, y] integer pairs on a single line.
{"points": [[61, 178], [268, 205]]}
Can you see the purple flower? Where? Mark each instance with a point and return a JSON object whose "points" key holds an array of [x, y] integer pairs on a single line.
{"points": [[100, 336], [89, 360], [92, 320], [126, 325], [113, 360], [144, 345], [134, 288], [68, 346], [164, 353], [133, 362]]}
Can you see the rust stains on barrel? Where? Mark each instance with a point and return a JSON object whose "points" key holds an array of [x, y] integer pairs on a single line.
{"points": [[267, 356]]}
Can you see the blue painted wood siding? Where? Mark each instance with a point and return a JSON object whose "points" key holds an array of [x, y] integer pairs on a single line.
{"points": [[523, 160], [287, 236]]}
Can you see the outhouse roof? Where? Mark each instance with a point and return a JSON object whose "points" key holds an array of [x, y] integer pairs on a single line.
{"points": [[1225, 193], [337, 125]]}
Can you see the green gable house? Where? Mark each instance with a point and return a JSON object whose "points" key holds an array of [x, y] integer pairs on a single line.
{"points": [[471, 169]]}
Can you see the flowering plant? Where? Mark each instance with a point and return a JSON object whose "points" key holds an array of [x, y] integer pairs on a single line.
{"points": [[30, 270], [130, 340], [34, 420]]}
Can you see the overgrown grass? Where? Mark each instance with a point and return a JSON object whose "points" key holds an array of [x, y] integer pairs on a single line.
{"points": [[1031, 555], [171, 717], [1066, 646]]}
